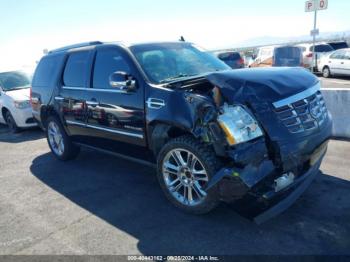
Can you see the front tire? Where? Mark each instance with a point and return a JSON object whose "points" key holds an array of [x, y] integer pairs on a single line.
{"points": [[326, 72], [185, 166], [11, 123], [59, 142]]}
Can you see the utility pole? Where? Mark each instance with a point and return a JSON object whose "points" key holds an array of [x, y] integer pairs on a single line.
{"points": [[314, 6], [313, 43]]}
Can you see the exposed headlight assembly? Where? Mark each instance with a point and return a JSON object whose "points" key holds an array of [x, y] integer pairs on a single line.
{"points": [[22, 104], [238, 125]]}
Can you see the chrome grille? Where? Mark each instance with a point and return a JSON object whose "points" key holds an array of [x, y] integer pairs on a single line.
{"points": [[306, 112]]}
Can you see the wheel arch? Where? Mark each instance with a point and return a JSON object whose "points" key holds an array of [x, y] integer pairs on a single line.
{"points": [[329, 70], [161, 132], [4, 110], [46, 112]]}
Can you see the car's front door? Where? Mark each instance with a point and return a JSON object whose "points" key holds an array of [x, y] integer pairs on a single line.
{"points": [[345, 64], [335, 61], [115, 117]]}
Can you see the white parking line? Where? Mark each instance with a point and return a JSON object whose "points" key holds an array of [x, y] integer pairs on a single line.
{"points": [[342, 82]]}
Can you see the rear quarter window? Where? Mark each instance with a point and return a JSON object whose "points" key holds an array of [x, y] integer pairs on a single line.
{"points": [[47, 71]]}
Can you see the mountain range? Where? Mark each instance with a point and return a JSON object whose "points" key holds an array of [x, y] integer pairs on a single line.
{"points": [[272, 40]]}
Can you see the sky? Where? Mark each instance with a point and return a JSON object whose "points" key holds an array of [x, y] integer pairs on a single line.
{"points": [[27, 27]]}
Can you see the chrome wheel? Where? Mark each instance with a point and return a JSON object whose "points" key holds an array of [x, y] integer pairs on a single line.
{"points": [[326, 72], [185, 177], [10, 123], [55, 138]]}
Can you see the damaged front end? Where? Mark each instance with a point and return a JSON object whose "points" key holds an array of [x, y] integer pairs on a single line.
{"points": [[264, 176], [270, 128]]}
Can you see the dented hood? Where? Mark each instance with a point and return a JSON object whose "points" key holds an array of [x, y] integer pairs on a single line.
{"points": [[266, 84], [259, 88]]}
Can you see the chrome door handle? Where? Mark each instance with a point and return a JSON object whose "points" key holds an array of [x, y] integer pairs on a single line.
{"points": [[92, 103], [155, 103], [59, 98]]}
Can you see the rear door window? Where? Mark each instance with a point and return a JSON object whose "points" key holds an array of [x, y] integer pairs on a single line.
{"points": [[287, 56], [47, 70], [77, 69]]}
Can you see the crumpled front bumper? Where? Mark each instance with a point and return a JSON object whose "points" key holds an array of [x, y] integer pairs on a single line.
{"points": [[283, 200], [248, 179]]}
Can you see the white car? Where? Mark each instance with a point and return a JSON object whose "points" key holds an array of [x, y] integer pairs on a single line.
{"points": [[321, 49], [15, 108], [336, 63]]}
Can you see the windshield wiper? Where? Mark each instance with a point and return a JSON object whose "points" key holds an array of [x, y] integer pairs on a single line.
{"points": [[18, 88], [176, 77]]}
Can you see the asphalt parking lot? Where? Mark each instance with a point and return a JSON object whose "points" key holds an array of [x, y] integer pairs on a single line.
{"points": [[335, 82], [99, 204]]}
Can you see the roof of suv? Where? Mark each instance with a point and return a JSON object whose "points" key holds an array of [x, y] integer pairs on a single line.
{"points": [[95, 43]]}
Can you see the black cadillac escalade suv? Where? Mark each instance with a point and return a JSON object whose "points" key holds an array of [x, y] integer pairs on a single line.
{"points": [[252, 135]]}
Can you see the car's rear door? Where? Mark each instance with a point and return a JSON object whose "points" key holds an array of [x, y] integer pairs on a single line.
{"points": [[73, 92], [115, 117]]}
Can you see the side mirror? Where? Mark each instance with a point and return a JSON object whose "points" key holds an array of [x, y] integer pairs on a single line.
{"points": [[123, 81]]}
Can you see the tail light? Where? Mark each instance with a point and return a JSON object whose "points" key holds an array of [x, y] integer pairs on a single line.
{"points": [[309, 55], [241, 61]]}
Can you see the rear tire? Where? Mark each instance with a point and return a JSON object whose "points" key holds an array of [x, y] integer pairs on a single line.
{"points": [[59, 142], [11, 123], [326, 72], [183, 177]]}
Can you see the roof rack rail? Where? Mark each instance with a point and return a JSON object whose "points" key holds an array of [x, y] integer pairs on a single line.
{"points": [[75, 46]]}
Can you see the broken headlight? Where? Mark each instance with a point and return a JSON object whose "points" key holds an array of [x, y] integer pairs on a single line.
{"points": [[238, 125]]}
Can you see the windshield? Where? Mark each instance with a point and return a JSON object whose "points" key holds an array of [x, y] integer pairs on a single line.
{"points": [[170, 61], [14, 80]]}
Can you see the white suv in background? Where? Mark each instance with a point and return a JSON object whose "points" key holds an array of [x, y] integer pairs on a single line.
{"points": [[321, 49], [15, 108], [336, 63]]}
